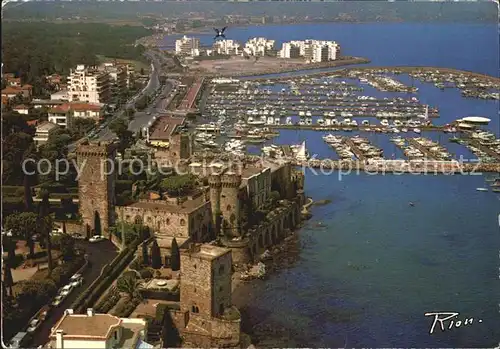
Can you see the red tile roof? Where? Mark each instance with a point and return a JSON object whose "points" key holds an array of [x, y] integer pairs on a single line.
{"points": [[63, 108], [12, 89], [21, 106], [85, 107]]}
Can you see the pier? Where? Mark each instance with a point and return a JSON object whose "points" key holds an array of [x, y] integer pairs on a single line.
{"points": [[427, 153], [475, 143], [400, 166]]}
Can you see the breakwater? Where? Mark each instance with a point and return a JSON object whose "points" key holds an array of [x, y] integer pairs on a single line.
{"points": [[399, 166], [305, 67]]}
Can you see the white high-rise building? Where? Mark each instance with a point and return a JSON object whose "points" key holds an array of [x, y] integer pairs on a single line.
{"points": [[227, 47], [289, 50], [187, 46], [258, 46], [88, 84], [311, 50]]}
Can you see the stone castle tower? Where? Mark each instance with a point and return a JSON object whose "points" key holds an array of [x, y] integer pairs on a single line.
{"points": [[96, 185], [206, 280], [224, 197]]}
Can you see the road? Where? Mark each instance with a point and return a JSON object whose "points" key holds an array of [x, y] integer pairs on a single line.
{"points": [[153, 84], [100, 253]]}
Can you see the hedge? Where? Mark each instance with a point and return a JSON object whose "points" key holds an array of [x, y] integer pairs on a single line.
{"points": [[111, 271], [161, 295], [12, 190], [61, 274], [108, 301], [125, 307]]}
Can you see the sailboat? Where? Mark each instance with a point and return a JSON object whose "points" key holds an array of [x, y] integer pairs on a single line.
{"points": [[301, 153]]}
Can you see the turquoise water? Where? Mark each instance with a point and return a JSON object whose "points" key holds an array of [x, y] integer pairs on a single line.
{"points": [[375, 265]]}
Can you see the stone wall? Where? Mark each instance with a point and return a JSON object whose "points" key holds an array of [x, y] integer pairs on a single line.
{"points": [[221, 283], [196, 286], [96, 189]]}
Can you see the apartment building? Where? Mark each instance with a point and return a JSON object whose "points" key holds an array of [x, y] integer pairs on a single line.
{"points": [[118, 77], [258, 46], [43, 131], [289, 50], [187, 46], [88, 84], [313, 51], [227, 47]]}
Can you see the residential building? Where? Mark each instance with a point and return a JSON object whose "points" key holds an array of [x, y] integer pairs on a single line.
{"points": [[311, 50], [12, 81], [258, 46], [118, 77], [227, 47], [105, 331], [187, 46], [289, 50], [88, 84], [22, 109], [43, 131], [166, 136], [63, 115], [130, 71], [13, 91], [61, 95]]}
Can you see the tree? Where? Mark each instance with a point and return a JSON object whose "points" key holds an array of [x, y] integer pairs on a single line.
{"points": [[145, 256], [175, 257], [120, 128], [9, 245], [67, 247], [45, 223], [8, 281], [130, 284], [24, 224], [179, 184], [35, 292], [155, 256], [81, 126]]}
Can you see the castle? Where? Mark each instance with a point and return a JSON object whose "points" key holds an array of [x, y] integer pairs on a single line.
{"points": [[222, 210]]}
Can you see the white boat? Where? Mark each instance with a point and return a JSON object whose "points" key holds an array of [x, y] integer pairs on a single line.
{"points": [[289, 121], [384, 122], [301, 154], [366, 122], [211, 127], [483, 189], [416, 130], [404, 129]]}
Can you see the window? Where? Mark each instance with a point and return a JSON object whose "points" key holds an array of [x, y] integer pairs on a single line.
{"points": [[228, 207], [194, 265], [168, 221], [220, 288], [195, 309], [221, 309], [116, 335], [221, 270], [182, 222]]}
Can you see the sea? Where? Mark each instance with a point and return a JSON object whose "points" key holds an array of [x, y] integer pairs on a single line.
{"points": [[371, 265]]}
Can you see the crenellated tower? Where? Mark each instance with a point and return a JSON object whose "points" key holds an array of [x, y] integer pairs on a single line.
{"points": [[96, 185], [215, 184], [230, 203]]}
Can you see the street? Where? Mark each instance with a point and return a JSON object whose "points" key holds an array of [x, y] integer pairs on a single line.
{"points": [[100, 253]]}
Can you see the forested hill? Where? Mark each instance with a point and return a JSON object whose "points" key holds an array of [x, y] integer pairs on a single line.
{"points": [[358, 11], [32, 49]]}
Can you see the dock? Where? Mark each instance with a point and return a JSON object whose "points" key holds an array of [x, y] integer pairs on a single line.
{"points": [[428, 154], [475, 143], [354, 148]]}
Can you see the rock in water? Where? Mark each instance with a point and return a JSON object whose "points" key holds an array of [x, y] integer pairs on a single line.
{"points": [[322, 202]]}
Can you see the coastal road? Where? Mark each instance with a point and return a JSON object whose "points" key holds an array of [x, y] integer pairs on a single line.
{"points": [[100, 253], [106, 134]]}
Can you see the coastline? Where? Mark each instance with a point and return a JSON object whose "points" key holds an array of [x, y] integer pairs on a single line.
{"points": [[283, 255]]}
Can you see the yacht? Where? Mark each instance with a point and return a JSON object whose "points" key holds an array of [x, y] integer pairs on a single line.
{"points": [[289, 121], [366, 122], [384, 122], [417, 130], [210, 127], [300, 152]]}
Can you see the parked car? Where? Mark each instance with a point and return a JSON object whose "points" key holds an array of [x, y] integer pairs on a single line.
{"points": [[78, 236], [97, 238], [76, 280], [66, 290], [33, 325], [58, 300]]}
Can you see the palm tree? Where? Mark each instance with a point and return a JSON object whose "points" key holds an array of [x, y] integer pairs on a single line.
{"points": [[130, 284]]}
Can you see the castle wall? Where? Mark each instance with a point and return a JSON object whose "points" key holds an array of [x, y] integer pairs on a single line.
{"points": [[166, 222], [221, 279], [196, 287]]}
